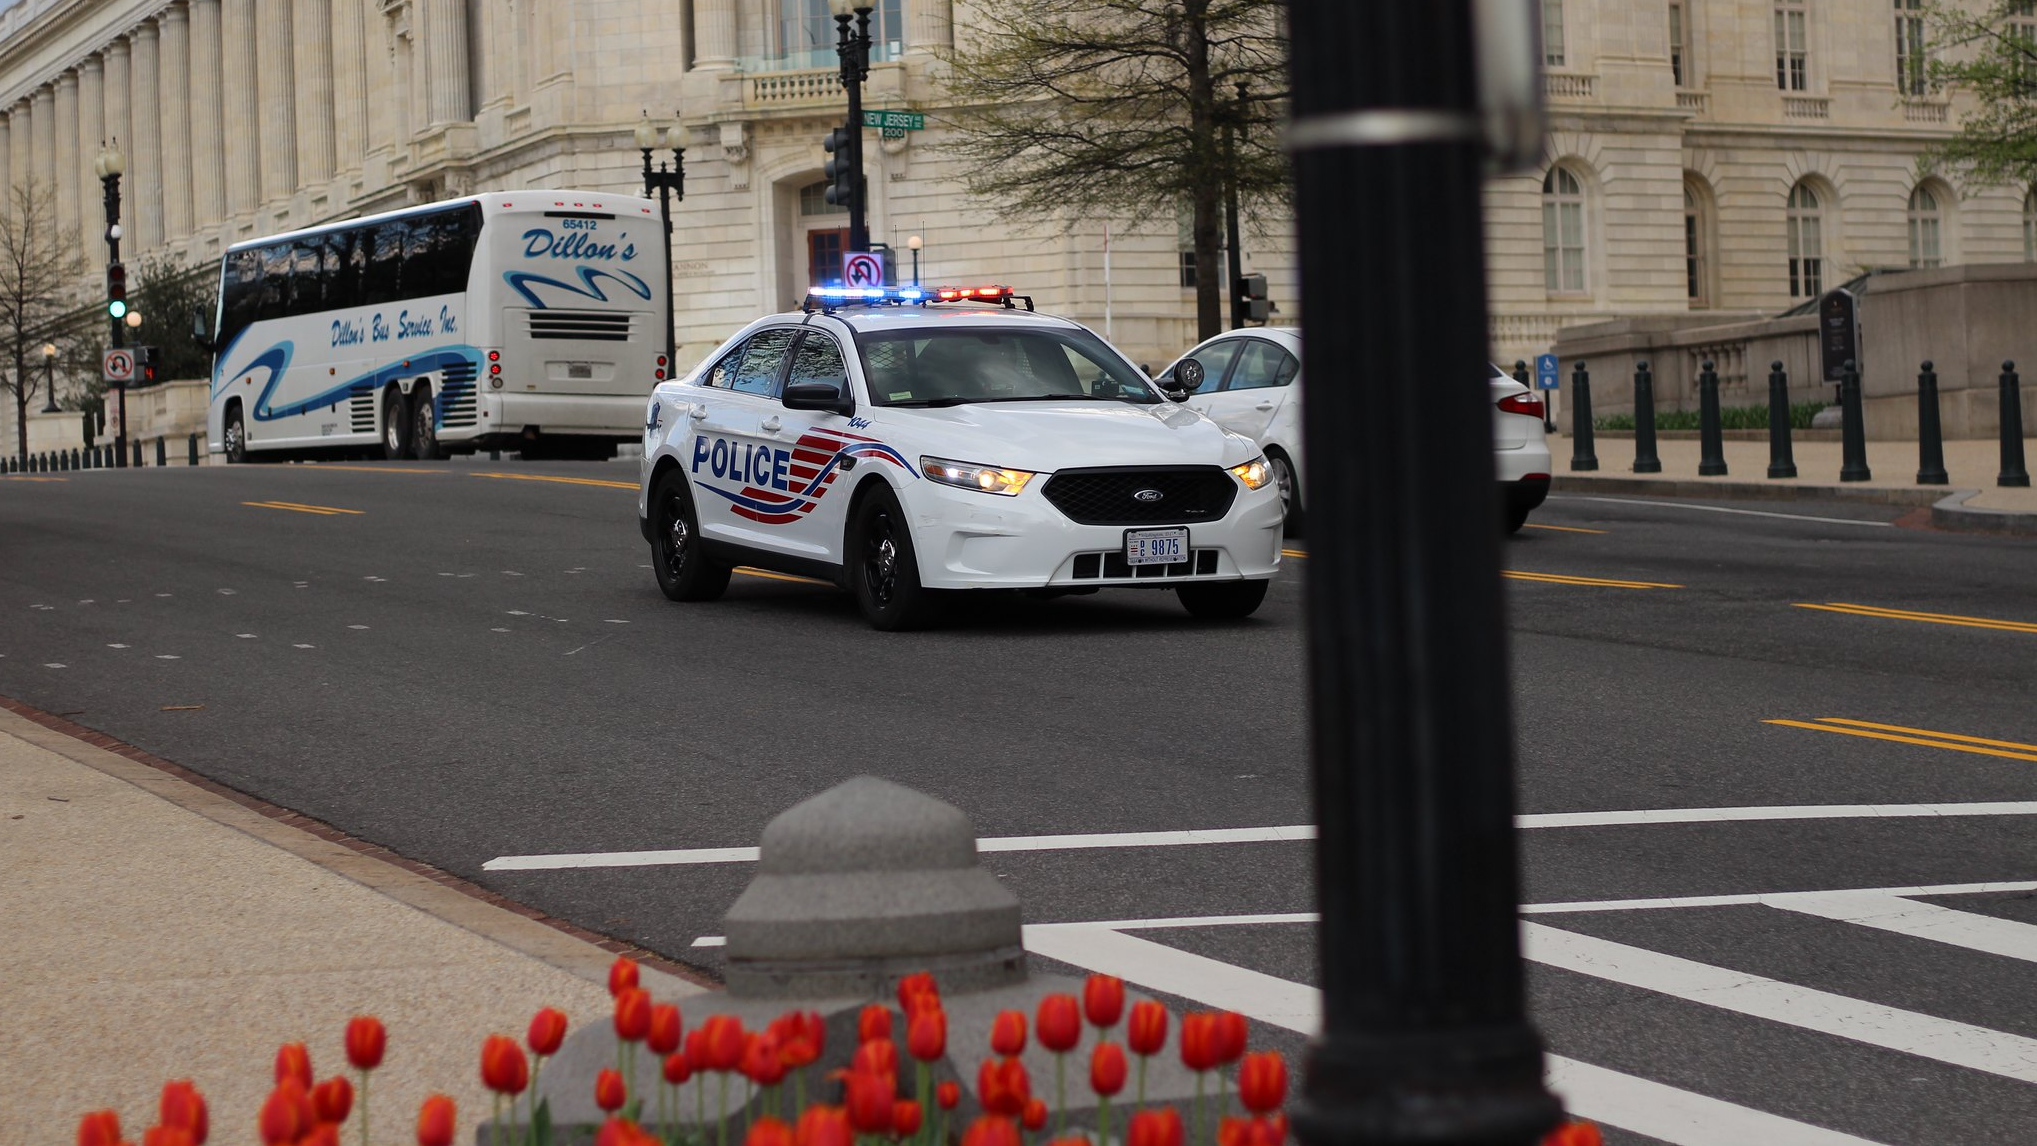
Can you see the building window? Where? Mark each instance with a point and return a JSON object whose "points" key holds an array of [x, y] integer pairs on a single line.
{"points": [[1679, 67], [1695, 240], [2022, 32], [1792, 46], [813, 200], [1926, 224], [807, 32], [1552, 33], [1806, 243], [2030, 226], [1912, 64], [1563, 232]]}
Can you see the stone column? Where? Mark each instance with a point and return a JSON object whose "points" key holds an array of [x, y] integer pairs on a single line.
{"points": [[208, 154], [91, 133], [20, 137], [43, 156], [6, 163], [315, 113], [276, 87], [144, 182], [118, 71], [66, 129], [349, 84], [714, 31], [176, 117], [932, 24], [446, 62]]}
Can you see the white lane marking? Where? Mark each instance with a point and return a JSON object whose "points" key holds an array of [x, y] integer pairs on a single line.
{"points": [[303, 646], [514, 573], [615, 621], [44, 608], [374, 578], [168, 657], [498, 630], [228, 592], [711, 941], [164, 594], [1909, 1032], [357, 626], [245, 636], [89, 601], [518, 613], [1723, 509], [1931, 921], [1637, 1104], [54, 666], [117, 646], [1290, 833], [1769, 899]]}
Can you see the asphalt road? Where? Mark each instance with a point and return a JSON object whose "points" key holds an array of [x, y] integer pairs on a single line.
{"points": [[469, 661]]}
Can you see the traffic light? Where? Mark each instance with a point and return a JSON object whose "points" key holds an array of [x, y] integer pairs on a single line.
{"points": [[116, 291], [1248, 300], [145, 365], [839, 169]]}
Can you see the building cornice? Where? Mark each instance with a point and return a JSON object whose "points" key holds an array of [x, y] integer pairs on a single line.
{"points": [[40, 39]]}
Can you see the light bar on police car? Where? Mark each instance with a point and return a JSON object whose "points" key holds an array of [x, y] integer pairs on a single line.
{"points": [[867, 294], [972, 294]]}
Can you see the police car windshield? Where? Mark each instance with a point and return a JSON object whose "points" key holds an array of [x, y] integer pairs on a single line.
{"points": [[965, 366]]}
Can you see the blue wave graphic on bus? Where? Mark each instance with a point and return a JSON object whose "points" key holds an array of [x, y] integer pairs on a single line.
{"points": [[276, 360], [589, 288]]}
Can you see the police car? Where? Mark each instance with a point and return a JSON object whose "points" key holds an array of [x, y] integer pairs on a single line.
{"points": [[905, 443]]}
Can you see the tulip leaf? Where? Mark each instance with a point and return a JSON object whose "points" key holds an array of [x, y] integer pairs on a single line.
{"points": [[541, 1124]]}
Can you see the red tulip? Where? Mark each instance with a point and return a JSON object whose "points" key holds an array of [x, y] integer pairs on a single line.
{"points": [[169, 1136], [1008, 1033], [366, 1040], [504, 1070], [1156, 1126], [1003, 1086], [992, 1130], [632, 1014], [333, 1099], [926, 1033], [905, 1118], [768, 1131], [676, 1070], [293, 1061], [99, 1128], [1575, 1134], [1250, 1132], [873, 1022], [1107, 1070], [1103, 1000], [547, 1031], [663, 1037], [916, 991], [323, 1134], [1262, 1082], [1199, 1041], [622, 975], [762, 1063], [1230, 1034], [878, 1056], [609, 1091], [183, 1107], [722, 1042], [1070, 1140], [623, 1132], [435, 1121], [1035, 1114], [800, 1037], [1059, 1023], [696, 1050], [823, 1126], [948, 1095], [869, 1097], [1146, 1033], [286, 1115]]}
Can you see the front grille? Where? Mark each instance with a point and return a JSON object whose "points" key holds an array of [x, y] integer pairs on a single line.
{"points": [[456, 394], [1113, 566], [592, 325], [1188, 494], [361, 407]]}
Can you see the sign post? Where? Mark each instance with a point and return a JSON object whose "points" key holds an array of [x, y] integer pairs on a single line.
{"points": [[1838, 333], [1548, 379]]}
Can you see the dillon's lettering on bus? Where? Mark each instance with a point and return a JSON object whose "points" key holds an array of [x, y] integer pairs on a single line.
{"points": [[540, 243]]}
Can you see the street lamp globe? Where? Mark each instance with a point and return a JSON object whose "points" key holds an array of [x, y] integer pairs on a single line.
{"points": [[49, 350], [649, 135], [134, 319], [914, 243], [842, 8], [114, 161]]}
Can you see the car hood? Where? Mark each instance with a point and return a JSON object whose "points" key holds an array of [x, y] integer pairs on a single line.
{"points": [[1049, 436]]}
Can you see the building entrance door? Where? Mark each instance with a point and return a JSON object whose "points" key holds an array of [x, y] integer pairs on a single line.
{"points": [[824, 256]]}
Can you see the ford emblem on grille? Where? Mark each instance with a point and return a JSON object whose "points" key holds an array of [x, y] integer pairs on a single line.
{"points": [[1148, 495]]}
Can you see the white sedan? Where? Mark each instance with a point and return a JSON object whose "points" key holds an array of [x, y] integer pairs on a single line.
{"points": [[1251, 385]]}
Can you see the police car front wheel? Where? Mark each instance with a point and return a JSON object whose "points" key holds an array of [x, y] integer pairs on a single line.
{"points": [[884, 568], [685, 572], [1222, 600]]}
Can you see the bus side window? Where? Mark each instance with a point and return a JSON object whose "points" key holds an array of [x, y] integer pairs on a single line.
{"points": [[346, 258], [240, 292], [420, 261], [274, 295], [383, 283], [307, 276]]}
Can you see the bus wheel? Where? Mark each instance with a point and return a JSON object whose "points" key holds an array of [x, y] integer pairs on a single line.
{"points": [[424, 426], [395, 426], [236, 436]]}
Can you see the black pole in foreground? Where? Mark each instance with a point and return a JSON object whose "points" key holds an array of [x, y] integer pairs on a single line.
{"points": [[2013, 473], [1646, 460], [1583, 448], [1782, 462], [1712, 450], [1852, 428], [1930, 433], [1425, 1036]]}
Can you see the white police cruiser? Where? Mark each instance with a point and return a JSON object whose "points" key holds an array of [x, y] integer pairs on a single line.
{"points": [[902, 446]]}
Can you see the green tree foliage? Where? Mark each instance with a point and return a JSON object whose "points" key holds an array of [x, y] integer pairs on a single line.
{"points": [[1988, 48], [165, 295], [1071, 109], [39, 272]]}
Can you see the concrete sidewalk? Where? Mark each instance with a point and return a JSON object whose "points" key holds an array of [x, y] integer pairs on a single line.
{"points": [[156, 929], [1970, 501]]}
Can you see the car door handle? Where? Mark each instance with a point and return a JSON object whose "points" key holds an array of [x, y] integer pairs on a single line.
{"points": [[771, 424], [1263, 406], [697, 413]]}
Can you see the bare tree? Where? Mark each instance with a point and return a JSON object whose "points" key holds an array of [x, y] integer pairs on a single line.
{"points": [[39, 272], [1125, 107]]}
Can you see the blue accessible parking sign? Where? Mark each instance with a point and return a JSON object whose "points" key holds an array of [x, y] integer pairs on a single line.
{"points": [[1546, 376]]}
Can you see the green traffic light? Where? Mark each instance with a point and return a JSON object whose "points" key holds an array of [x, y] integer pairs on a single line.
{"points": [[117, 308]]}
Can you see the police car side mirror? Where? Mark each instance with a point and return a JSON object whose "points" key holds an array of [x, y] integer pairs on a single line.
{"points": [[1188, 376], [819, 396]]}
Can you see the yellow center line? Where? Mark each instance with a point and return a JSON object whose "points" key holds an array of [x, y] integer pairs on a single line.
{"points": [[374, 469], [749, 572], [1294, 553], [25, 477], [1917, 740], [562, 480], [1563, 528], [1929, 618], [1928, 732], [325, 510], [1591, 582]]}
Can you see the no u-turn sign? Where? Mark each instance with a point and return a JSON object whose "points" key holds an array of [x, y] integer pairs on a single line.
{"points": [[118, 366]]}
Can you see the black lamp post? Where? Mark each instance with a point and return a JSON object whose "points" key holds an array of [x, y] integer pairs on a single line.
{"points": [[670, 183], [49, 378], [109, 166], [853, 46]]}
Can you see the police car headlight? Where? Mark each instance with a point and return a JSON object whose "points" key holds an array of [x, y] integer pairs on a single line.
{"points": [[1254, 473], [969, 475]]}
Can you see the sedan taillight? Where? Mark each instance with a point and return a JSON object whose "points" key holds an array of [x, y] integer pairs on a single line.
{"points": [[1522, 404]]}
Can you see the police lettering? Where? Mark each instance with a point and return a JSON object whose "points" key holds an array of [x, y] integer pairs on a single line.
{"points": [[761, 466]]}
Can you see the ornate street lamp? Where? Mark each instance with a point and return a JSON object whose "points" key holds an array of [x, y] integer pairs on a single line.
{"points": [[49, 378], [670, 183], [913, 243], [853, 46], [110, 165]]}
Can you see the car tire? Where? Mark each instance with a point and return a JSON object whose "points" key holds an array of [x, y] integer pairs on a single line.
{"points": [[1290, 490], [1515, 517], [236, 435], [1222, 600], [424, 425], [884, 567], [395, 426], [684, 571]]}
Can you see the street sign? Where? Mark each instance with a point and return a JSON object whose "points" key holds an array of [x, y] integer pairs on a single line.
{"points": [[1838, 332], [896, 120], [863, 269], [117, 366], [1547, 376]]}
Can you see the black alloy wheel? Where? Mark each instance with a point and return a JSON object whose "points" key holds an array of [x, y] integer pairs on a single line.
{"points": [[884, 568], [1222, 600], [1290, 490], [684, 571]]}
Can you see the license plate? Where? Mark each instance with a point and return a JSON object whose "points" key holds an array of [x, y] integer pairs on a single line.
{"points": [[579, 372], [1156, 546]]}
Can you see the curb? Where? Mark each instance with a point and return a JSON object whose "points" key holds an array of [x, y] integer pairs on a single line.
{"points": [[1751, 491], [1952, 513]]}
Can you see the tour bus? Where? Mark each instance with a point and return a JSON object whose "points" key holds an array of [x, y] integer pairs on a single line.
{"points": [[529, 321]]}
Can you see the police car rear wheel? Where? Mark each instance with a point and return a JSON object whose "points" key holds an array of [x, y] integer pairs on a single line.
{"points": [[1222, 600], [884, 568], [683, 569], [1290, 490]]}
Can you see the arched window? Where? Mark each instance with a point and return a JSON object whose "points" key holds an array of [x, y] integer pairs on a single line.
{"points": [[1927, 247], [2030, 226], [1697, 242], [1563, 232], [1806, 243]]}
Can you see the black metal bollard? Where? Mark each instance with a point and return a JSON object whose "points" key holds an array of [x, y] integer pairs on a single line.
{"points": [[2013, 472], [137, 453], [1782, 462], [1583, 451], [1645, 459], [191, 445], [162, 453], [1711, 444], [1930, 434], [1852, 428]]}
